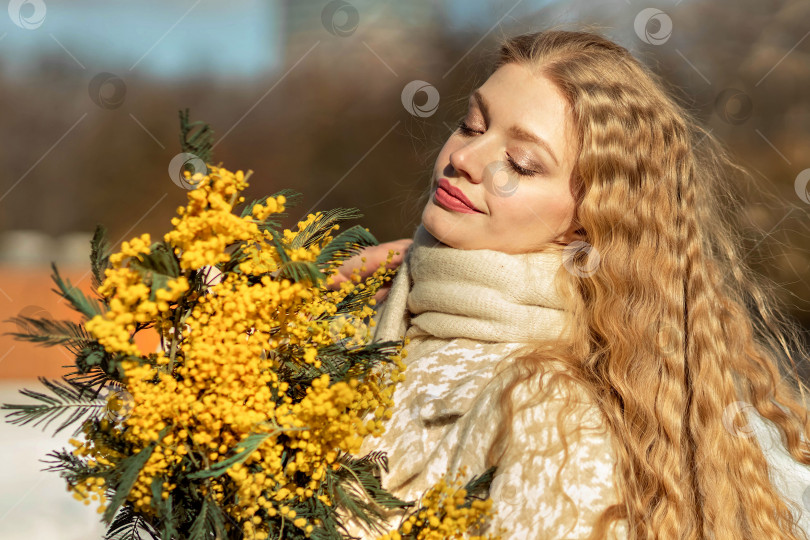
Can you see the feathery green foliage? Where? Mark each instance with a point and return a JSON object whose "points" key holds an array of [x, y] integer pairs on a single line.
{"points": [[68, 398], [345, 245], [78, 301], [49, 332], [122, 478], [316, 230], [199, 142], [99, 256]]}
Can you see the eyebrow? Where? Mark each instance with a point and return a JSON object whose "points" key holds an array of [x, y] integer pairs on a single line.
{"points": [[517, 131]]}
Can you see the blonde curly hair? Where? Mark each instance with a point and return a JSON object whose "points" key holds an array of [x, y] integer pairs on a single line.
{"points": [[671, 329]]}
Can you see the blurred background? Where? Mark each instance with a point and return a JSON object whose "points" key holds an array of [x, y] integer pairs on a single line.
{"points": [[316, 95]]}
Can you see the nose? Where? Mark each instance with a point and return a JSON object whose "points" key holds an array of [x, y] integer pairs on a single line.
{"points": [[471, 159]]}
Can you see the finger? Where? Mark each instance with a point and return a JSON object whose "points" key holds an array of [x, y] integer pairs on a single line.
{"points": [[337, 279], [374, 255], [382, 293], [400, 249]]}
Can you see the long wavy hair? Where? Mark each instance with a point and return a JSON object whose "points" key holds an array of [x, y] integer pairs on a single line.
{"points": [[669, 330]]}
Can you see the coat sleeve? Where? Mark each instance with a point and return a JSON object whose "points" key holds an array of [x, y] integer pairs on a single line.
{"points": [[528, 500]]}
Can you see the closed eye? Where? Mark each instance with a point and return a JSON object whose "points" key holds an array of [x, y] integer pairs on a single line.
{"points": [[467, 131]]}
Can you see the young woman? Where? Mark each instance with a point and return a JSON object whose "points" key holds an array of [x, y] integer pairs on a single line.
{"points": [[580, 315]]}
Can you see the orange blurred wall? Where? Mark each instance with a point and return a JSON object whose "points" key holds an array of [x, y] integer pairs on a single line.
{"points": [[30, 291]]}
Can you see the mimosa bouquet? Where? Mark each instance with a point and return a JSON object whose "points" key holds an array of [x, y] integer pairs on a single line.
{"points": [[244, 423]]}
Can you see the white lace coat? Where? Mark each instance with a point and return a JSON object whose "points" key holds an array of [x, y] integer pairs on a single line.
{"points": [[445, 417]]}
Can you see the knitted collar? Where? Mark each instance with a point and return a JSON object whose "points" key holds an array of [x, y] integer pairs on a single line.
{"points": [[479, 294]]}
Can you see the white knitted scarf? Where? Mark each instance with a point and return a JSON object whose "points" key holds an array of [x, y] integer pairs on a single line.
{"points": [[478, 294]]}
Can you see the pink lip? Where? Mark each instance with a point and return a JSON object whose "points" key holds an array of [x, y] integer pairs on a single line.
{"points": [[453, 198]]}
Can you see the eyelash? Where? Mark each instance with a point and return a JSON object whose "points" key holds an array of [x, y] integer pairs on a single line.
{"points": [[468, 131]]}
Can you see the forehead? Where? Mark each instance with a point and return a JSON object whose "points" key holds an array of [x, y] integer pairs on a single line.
{"points": [[518, 95], [524, 90]]}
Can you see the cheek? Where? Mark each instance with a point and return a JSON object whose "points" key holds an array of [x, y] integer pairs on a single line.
{"points": [[531, 206]]}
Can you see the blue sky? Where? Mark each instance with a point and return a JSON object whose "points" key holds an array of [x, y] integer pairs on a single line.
{"points": [[145, 35], [172, 37]]}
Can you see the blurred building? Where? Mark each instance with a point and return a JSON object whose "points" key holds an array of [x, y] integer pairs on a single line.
{"points": [[354, 38]]}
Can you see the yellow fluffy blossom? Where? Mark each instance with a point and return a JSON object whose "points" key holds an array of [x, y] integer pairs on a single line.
{"points": [[217, 389], [133, 248], [206, 224], [442, 514]]}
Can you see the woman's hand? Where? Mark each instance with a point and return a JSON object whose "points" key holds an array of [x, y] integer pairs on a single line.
{"points": [[374, 256]]}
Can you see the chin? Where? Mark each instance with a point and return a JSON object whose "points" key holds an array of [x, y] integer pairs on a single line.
{"points": [[440, 223], [444, 234], [436, 231]]}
